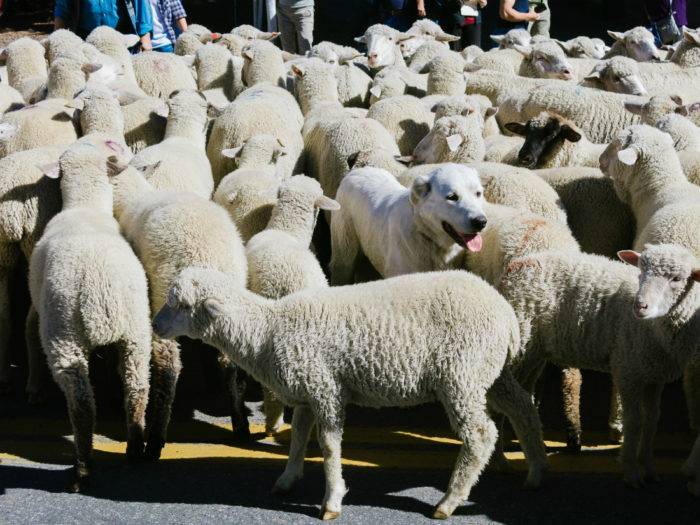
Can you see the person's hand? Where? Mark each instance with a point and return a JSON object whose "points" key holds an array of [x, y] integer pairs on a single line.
{"points": [[532, 16], [146, 43], [482, 3], [420, 6]]}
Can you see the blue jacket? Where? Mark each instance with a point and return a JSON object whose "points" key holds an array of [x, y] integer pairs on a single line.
{"points": [[94, 13]]}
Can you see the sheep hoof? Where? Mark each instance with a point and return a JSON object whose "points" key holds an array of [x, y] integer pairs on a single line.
{"points": [[440, 514], [327, 515], [81, 479], [153, 449]]}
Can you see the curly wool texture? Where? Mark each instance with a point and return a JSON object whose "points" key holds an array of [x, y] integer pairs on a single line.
{"points": [[397, 80], [406, 119], [10, 99], [101, 113], [584, 47], [600, 222], [180, 161], [465, 104], [262, 109], [143, 126], [425, 54], [218, 77], [161, 74], [446, 75], [61, 42], [435, 144], [187, 44], [26, 66], [113, 44], [262, 62], [684, 133]]}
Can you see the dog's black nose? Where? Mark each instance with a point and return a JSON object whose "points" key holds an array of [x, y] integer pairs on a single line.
{"points": [[478, 223]]}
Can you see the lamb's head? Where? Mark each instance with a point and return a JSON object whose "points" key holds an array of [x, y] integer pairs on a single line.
{"points": [[681, 129], [202, 33], [188, 108], [584, 47], [380, 41], [639, 44], [452, 139], [668, 273], [654, 108], [314, 83], [333, 54], [195, 300], [59, 41], [262, 62], [618, 74], [464, 105], [545, 135], [448, 204], [298, 201], [112, 43], [548, 60], [233, 43], [258, 150], [420, 32], [514, 37], [252, 33], [99, 110]]}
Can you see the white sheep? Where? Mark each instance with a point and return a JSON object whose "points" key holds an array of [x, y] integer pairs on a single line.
{"points": [[144, 122], [419, 57], [116, 45], [452, 139], [279, 259], [26, 66], [161, 74], [216, 75], [318, 377], [397, 80], [382, 49], [262, 62], [584, 47], [180, 161], [686, 141], [637, 43], [446, 75], [538, 60], [10, 99], [90, 290], [248, 32], [405, 117], [353, 81]]}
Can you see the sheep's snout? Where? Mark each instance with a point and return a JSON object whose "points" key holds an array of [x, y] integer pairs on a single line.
{"points": [[641, 308]]}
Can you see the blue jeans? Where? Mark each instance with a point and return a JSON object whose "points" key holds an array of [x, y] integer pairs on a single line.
{"points": [[168, 48]]}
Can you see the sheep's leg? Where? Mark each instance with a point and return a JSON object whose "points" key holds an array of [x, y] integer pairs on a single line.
{"points": [[134, 363], [571, 393], [691, 468], [165, 369], [508, 397], [302, 422], [36, 360], [235, 381], [630, 395], [615, 416], [274, 412], [69, 367], [691, 388], [470, 420], [330, 435], [651, 402], [345, 249]]}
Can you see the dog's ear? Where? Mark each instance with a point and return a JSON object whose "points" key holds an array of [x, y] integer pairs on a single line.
{"points": [[419, 189]]}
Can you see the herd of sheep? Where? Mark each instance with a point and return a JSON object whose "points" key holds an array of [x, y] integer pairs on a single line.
{"points": [[474, 207]]}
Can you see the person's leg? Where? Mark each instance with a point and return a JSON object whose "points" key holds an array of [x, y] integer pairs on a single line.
{"points": [[541, 26], [287, 29], [304, 21], [271, 7]]}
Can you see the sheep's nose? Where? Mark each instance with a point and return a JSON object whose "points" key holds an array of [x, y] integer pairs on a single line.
{"points": [[640, 306], [479, 223], [526, 159]]}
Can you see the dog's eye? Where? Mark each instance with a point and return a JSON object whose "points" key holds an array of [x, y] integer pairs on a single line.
{"points": [[452, 197]]}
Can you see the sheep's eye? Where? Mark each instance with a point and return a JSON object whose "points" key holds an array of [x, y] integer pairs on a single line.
{"points": [[616, 78], [478, 194], [676, 279], [452, 197]]}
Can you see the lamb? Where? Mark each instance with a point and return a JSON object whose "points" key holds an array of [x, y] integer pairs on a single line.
{"points": [[452, 139], [552, 142], [397, 80], [539, 60], [250, 192], [687, 53], [81, 250], [116, 45], [465, 105], [262, 109], [171, 230], [219, 77], [419, 57], [61, 42], [647, 175], [618, 75], [377, 158], [280, 261], [161, 74], [636, 43], [26, 66], [67, 77], [238, 321], [233, 43], [405, 117], [382, 49], [547, 292], [584, 47], [252, 33], [180, 161], [144, 122], [10, 99], [514, 37], [353, 82], [686, 142], [262, 62], [651, 109], [446, 75], [402, 230], [196, 36]]}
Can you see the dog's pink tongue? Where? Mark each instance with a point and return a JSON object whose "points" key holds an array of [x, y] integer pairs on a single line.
{"points": [[472, 242]]}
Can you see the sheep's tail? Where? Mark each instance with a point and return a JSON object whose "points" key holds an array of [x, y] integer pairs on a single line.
{"points": [[102, 307]]}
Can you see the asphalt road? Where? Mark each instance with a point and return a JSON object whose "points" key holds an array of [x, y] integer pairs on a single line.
{"points": [[396, 470]]}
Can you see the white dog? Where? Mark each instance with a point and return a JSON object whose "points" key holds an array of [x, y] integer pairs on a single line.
{"points": [[404, 231]]}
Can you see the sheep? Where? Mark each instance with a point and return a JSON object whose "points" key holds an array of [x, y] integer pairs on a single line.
{"points": [[10, 99], [161, 74], [46, 123], [238, 321], [514, 37], [100, 113], [465, 105], [686, 142], [397, 80], [584, 47], [260, 109], [651, 109], [216, 75], [262, 62], [353, 82], [378, 158], [469, 53], [636, 43], [539, 60], [61, 42], [195, 37], [552, 141], [382, 49], [116, 45], [618, 75], [28, 200], [599, 114], [67, 77], [252, 33], [647, 175], [280, 261], [419, 58], [687, 53], [90, 290], [180, 161], [446, 76], [452, 139], [405, 117], [144, 122], [26, 66], [400, 230], [576, 310], [170, 230], [233, 43], [250, 192]]}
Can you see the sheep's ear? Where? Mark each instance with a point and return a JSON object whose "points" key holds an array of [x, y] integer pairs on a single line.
{"points": [[188, 60], [50, 170], [3, 56], [162, 110], [246, 53], [268, 36], [231, 153], [130, 40], [635, 107], [299, 70], [148, 169], [231, 196], [564, 45], [453, 142], [526, 51], [7, 130], [615, 35], [628, 156], [570, 134], [375, 91], [691, 36], [348, 55], [419, 189], [490, 112], [360, 39], [444, 37], [677, 99], [471, 67], [693, 108], [517, 128], [629, 256], [498, 38], [404, 159], [214, 307], [90, 67], [287, 56], [326, 203], [695, 275]]}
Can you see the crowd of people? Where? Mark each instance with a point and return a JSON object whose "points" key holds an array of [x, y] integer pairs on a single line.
{"points": [[158, 22]]}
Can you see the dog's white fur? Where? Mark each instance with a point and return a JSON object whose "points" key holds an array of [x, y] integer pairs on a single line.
{"points": [[398, 229]]}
